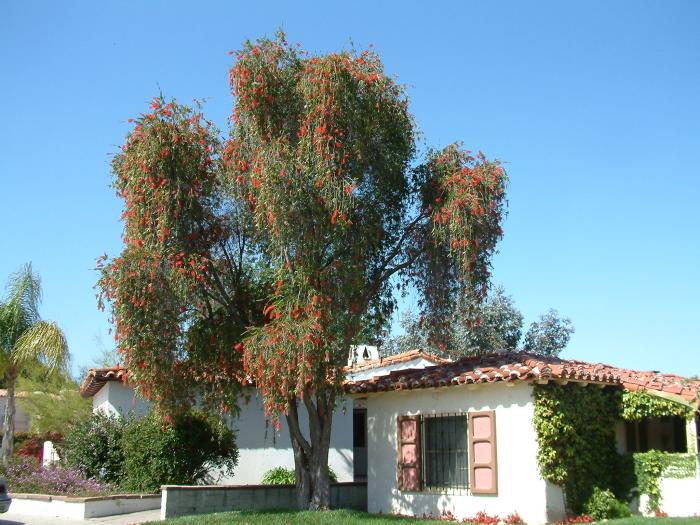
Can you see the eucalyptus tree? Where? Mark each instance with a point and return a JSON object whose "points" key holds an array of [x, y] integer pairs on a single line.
{"points": [[26, 341]]}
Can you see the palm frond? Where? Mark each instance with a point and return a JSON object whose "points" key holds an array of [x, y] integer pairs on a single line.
{"points": [[44, 342], [20, 309]]}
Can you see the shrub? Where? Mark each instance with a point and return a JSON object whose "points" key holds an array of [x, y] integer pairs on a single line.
{"points": [[32, 445], [94, 447], [181, 450], [286, 476], [604, 505], [26, 475]]}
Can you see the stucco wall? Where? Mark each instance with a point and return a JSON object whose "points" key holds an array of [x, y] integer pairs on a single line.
{"points": [[520, 488], [261, 447], [119, 399]]}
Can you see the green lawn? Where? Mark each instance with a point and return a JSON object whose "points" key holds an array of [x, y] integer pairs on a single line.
{"points": [[350, 517], [638, 520], [286, 517]]}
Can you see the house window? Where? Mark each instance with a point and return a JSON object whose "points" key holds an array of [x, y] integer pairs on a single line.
{"points": [[447, 452], [444, 452], [667, 434]]}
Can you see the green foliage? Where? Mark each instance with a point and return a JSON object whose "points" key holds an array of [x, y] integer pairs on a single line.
{"points": [[549, 335], [286, 476], [26, 341], [160, 450], [576, 437], [641, 404], [94, 446], [603, 505], [650, 466], [487, 326], [52, 403], [496, 324], [141, 455], [318, 184]]}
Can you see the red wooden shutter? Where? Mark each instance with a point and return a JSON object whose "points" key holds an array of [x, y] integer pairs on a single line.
{"points": [[408, 441], [483, 468]]}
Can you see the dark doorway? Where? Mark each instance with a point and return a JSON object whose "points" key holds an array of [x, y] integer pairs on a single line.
{"points": [[359, 443]]}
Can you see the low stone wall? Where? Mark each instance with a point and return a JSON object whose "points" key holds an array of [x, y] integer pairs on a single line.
{"points": [[82, 508], [181, 500]]}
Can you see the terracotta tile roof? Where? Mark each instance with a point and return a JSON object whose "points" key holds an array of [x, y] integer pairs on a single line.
{"points": [[491, 368], [396, 359], [96, 378]]}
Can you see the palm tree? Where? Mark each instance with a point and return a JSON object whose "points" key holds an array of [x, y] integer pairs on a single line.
{"points": [[25, 341]]}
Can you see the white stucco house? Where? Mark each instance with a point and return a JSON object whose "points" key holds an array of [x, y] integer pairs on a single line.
{"points": [[458, 438], [433, 437], [260, 446]]}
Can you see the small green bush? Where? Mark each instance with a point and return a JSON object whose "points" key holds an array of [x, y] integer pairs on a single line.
{"points": [[286, 476], [604, 505], [160, 451], [94, 447]]}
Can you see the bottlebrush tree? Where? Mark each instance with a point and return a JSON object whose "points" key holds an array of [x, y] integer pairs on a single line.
{"points": [[318, 186], [183, 288]]}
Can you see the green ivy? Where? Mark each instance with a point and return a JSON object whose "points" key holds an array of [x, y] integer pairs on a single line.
{"points": [[650, 466], [577, 448], [576, 437], [640, 404]]}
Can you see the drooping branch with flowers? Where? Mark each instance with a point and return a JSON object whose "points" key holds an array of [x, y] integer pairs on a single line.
{"points": [[261, 260]]}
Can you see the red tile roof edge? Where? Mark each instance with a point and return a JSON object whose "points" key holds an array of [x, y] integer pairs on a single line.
{"points": [[96, 378], [520, 366]]}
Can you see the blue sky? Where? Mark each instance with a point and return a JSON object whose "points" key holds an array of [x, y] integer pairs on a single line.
{"points": [[594, 106]]}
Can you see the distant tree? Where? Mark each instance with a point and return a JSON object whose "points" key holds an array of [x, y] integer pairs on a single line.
{"points": [[549, 335], [493, 325], [489, 326], [25, 342]]}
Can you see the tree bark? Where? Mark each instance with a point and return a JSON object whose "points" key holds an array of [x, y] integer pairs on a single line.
{"points": [[311, 456], [8, 423]]}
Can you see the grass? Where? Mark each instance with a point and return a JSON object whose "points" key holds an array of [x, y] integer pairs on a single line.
{"points": [[638, 520], [351, 517], [286, 517]]}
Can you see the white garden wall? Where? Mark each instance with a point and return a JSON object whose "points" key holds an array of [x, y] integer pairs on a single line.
{"points": [[261, 447], [74, 508], [520, 488], [116, 398]]}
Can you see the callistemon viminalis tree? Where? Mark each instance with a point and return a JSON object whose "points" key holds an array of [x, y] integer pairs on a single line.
{"points": [[180, 291], [320, 151], [264, 264]]}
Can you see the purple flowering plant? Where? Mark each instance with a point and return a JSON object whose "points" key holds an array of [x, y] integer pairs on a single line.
{"points": [[26, 475]]}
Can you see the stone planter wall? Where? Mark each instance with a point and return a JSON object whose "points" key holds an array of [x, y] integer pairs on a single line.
{"points": [[182, 500], [81, 508]]}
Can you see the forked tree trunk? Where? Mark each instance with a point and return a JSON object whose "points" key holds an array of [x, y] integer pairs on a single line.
{"points": [[8, 423], [311, 455]]}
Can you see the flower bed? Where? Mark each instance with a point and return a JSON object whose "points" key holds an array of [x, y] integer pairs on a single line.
{"points": [[25, 475]]}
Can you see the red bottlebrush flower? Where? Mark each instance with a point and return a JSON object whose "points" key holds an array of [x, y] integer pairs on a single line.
{"points": [[334, 217]]}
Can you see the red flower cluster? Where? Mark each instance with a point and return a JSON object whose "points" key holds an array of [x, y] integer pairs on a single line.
{"points": [[583, 518]]}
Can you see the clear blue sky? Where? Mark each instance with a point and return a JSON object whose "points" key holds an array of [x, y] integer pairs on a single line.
{"points": [[595, 107]]}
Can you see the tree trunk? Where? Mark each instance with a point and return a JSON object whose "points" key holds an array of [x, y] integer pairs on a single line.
{"points": [[311, 455], [8, 423]]}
